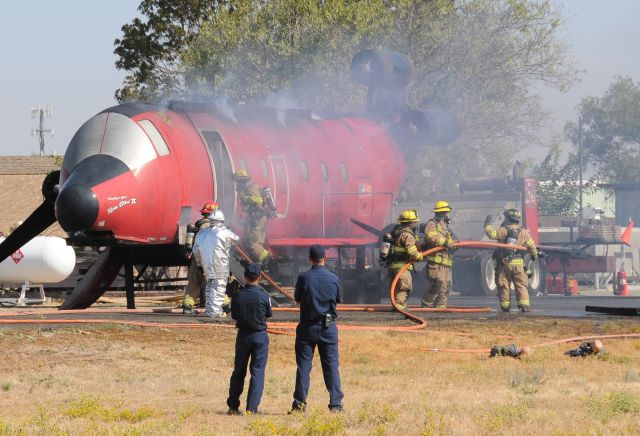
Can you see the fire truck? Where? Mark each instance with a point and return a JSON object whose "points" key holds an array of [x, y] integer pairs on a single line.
{"points": [[474, 270]]}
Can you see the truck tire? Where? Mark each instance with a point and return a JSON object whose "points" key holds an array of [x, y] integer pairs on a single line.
{"points": [[535, 282], [488, 276]]}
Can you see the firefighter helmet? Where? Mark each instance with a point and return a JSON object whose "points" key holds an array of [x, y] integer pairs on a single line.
{"points": [[408, 216], [441, 206], [241, 175], [217, 216], [513, 215], [209, 207]]}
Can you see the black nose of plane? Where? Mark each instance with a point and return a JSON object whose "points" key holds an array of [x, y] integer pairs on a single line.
{"points": [[76, 208]]}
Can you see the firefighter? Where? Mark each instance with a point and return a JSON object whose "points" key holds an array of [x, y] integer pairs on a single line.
{"points": [[212, 249], [252, 201], [509, 262], [195, 276], [437, 233], [403, 249]]}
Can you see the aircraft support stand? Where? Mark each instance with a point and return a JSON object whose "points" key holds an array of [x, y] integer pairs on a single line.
{"points": [[128, 285]]}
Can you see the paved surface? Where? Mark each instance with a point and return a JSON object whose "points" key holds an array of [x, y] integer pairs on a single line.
{"points": [[542, 306]]}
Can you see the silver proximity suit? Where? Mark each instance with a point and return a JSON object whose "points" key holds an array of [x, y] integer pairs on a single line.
{"points": [[211, 249]]}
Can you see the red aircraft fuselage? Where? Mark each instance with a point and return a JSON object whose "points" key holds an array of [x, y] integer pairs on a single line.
{"points": [[135, 172]]}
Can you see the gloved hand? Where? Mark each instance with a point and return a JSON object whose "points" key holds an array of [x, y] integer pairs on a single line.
{"points": [[488, 220], [529, 272], [449, 246]]}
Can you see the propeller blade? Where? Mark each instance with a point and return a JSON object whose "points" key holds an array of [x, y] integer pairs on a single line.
{"points": [[39, 220], [95, 281]]}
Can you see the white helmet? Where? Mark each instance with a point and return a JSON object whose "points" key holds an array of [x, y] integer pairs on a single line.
{"points": [[217, 216]]}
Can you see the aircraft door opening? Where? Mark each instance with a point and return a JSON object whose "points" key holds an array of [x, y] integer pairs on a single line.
{"points": [[280, 185], [224, 187]]}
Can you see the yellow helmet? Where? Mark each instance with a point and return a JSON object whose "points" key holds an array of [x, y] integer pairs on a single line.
{"points": [[441, 206], [408, 216], [241, 174], [513, 215]]}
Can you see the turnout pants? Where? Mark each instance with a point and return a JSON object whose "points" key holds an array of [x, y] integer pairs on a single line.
{"points": [[308, 337], [254, 346], [215, 291], [509, 273], [438, 285], [254, 236], [195, 281], [404, 285]]}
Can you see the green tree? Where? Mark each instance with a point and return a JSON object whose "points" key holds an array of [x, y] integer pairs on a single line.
{"points": [[150, 50], [477, 58], [558, 185], [611, 131]]}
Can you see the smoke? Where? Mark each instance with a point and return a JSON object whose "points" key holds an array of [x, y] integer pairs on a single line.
{"points": [[225, 109]]}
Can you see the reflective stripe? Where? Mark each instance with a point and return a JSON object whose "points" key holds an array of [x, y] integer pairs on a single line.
{"points": [[524, 303], [505, 304], [516, 261], [398, 265], [414, 253], [440, 260], [490, 231], [263, 256], [253, 199]]}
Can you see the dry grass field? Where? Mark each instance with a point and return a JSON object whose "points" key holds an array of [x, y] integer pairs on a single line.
{"points": [[120, 380]]}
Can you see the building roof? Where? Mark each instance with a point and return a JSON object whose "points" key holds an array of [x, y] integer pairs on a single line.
{"points": [[29, 164], [21, 180]]}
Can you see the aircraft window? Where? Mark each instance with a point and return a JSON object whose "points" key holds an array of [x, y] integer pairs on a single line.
{"points": [[263, 167], [113, 134], [343, 170], [305, 170], [325, 171], [156, 137]]}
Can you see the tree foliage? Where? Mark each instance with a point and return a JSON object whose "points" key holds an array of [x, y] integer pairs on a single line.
{"points": [[150, 50], [477, 58], [558, 185], [611, 131]]}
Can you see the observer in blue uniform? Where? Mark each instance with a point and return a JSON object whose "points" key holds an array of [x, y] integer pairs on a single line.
{"points": [[318, 292], [250, 307]]}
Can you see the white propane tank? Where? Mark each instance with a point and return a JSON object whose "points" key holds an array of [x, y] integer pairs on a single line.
{"points": [[44, 259]]}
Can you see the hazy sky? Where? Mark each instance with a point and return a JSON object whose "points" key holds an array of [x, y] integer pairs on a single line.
{"points": [[61, 53]]}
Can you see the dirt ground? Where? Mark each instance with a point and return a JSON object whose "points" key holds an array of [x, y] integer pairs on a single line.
{"points": [[129, 380]]}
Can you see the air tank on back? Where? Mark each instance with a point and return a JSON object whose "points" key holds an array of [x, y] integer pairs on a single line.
{"points": [[44, 259]]}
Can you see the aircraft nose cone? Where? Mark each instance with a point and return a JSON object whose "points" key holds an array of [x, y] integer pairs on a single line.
{"points": [[76, 208]]}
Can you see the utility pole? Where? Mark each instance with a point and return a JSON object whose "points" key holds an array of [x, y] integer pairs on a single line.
{"points": [[580, 156], [41, 111]]}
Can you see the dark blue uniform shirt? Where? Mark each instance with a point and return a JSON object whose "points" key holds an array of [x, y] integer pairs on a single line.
{"points": [[250, 307], [317, 291]]}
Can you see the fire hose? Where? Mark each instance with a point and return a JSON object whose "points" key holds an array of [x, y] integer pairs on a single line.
{"points": [[285, 328], [421, 323]]}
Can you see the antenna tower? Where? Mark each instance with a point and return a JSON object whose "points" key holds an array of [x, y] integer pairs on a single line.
{"points": [[41, 112]]}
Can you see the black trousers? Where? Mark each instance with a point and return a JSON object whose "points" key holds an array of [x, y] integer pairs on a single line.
{"points": [[254, 346], [308, 337]]}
